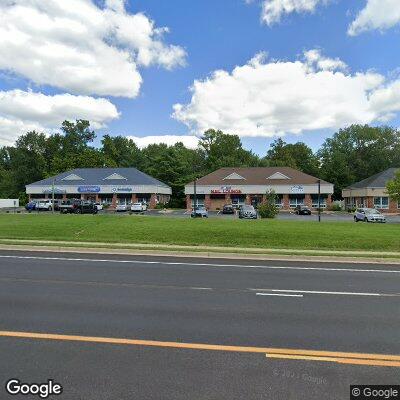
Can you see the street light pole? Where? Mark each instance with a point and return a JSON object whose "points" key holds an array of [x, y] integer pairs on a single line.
{"points": [[195, 195], [53, 195], [319, 200]]}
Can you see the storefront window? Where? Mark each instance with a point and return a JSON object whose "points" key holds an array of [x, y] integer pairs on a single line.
{"points": [[143, 199], [238, 200], [279, 201], [381, 202], [296, 200], [314, 198], [200, 200]]}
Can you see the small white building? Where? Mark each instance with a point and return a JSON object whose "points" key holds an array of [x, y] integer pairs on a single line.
{"points": [[9, 203]]}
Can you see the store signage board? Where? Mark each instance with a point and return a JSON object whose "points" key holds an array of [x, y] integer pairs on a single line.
{"points": [[119, 189], [297, 189], [56, 190], [89, 189], [226, 190]]}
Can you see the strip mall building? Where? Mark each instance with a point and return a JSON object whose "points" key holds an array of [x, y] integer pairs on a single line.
{"points": [[371, 193], [249, 186], [103, 185]]}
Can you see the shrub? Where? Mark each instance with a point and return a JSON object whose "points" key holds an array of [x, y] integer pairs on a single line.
{"points": [[336, 207], [268, 209]]}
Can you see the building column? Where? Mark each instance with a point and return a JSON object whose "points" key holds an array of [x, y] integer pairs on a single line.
{"points": [[285, 202], [393, 207], [114, 200], [308, 200], [228, 199], [328, 202], [97, 198], [264, 198], [248, 200], [207, 201], [134, 198], [153, 201], [64, 196], [188, 203], [370, 202]]}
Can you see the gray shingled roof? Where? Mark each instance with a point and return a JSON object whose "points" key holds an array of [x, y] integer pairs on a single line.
{"points": [[375, 181], [96, 176]]}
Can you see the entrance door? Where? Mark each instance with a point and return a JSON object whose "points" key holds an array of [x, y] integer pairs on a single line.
{"points": [[256, 200]]}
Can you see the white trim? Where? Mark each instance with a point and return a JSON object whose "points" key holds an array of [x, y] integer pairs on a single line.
{"points": [[278, 175], [234, 176], [72, 177], [104, 189], [262, 189], [115, 176]]}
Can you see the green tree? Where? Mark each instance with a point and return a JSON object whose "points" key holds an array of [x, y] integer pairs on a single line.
{"points": [[393, 187], [357, 152], [297, 155], [120, 151], [223, 150]]}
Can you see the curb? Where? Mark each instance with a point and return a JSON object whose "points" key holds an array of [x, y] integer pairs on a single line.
{"points": [[215, 255]]}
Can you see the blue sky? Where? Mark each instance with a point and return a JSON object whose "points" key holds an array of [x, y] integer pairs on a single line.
{"points": [[220, 35]]}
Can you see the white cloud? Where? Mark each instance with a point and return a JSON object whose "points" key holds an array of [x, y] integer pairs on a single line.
{"points": [[77, 46], [189, 141], [22, 111], [274, 10], [276, 97], [377, 14]]}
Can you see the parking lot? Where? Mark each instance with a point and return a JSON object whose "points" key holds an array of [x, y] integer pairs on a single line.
{"points": [[329, 216]]}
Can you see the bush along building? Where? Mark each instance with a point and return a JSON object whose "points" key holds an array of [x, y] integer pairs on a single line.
{"points": [[240, 186], [110, 186], [371, 193]]}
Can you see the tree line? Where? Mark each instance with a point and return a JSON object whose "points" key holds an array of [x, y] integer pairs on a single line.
{"points": [[351, 154]]}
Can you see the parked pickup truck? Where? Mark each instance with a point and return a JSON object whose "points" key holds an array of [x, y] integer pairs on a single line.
{"points": [[75, 206]]}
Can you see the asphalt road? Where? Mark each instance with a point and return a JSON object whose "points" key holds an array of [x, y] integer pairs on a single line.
{"points": [[195, 302]]}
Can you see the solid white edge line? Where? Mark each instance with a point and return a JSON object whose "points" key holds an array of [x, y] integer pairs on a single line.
{"points": [[204, 264], [279, 294], [329, 293]]}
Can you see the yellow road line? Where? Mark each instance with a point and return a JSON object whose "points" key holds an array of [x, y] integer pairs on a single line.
{"points": [[339, 360], [311, 355]]}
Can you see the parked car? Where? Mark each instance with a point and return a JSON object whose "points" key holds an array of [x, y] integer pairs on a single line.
{"points": [[247, 212], [76, 206], [99, 206], [47, 205], [228, 209], [122, 207], [31, 206], [369, 215], [199, 212], [302, 210], [138, 207]]}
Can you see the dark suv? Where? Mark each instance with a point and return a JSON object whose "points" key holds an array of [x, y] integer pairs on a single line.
{"points": [[247, 212], [76, 206]]}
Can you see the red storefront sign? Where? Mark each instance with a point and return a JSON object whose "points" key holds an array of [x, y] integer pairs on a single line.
{"points": [[226, 190]]}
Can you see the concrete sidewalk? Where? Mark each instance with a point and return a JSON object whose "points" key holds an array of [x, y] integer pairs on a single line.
{"points": [[203, 251]]}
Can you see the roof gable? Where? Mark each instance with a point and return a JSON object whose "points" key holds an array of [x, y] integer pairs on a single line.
{"points": [[72, 177], [278, 175], [115, 176], [234, 176]]}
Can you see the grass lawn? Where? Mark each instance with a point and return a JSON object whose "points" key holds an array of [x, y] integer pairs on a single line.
{"points": [[267, 234]]}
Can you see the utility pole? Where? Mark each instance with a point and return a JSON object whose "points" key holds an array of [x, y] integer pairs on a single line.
{"points": [[319, 200]]}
